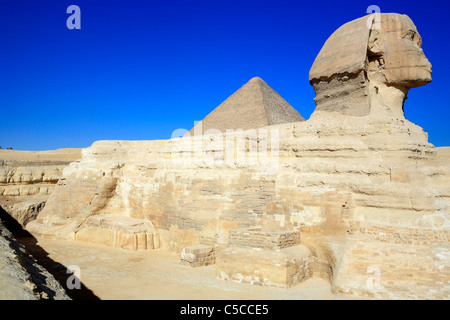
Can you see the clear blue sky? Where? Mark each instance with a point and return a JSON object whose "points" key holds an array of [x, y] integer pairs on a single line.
{"points": [[139, 69]]}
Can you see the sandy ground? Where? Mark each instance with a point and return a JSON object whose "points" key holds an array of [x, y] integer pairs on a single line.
{"points": [[158, 275]]}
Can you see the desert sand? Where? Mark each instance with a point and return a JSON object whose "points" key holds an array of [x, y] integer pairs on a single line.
{"points": [[158, 274]]}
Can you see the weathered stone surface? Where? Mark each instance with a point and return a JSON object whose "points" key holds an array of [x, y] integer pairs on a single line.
{"points": [[253, 106], [25, 211], [344, 52], [25, 178], [28, 177]]}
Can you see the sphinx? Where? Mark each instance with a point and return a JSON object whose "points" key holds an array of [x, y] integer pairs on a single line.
{"points": [[357, 185]]}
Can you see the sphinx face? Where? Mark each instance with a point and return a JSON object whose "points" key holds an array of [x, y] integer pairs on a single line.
{"points": [[405, 63]]}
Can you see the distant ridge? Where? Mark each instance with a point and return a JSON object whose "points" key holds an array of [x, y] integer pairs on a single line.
{"points": [[254, 105], [64, 154]]}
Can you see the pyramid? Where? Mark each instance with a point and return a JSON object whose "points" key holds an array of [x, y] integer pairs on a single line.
{"points": [[253, 106]]}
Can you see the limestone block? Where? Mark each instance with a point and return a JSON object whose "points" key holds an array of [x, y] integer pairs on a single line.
{"points": [[267, 240], [200, 255], [394, 271], [283, 268]]}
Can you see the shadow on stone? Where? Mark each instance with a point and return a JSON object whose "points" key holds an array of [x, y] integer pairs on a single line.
{"points": [[60, 272]]}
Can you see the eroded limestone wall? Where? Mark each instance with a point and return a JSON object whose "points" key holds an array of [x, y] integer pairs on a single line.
{"points": [[27, 178]]}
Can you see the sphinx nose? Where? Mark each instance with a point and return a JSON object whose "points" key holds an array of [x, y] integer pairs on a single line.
{"points": [[427, 64]]}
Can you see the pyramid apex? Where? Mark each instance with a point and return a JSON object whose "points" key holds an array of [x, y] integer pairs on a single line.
{"points": [[256, 79]]}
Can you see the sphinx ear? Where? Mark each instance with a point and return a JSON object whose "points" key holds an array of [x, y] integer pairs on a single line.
{"points": [[375, 56], [375, 43]]}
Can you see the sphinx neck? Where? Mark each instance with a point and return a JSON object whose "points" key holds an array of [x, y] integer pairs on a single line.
{"points": [[387, 100]]}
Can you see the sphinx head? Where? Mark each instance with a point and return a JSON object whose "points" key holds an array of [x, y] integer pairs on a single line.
{"points": [[368, 65]]}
